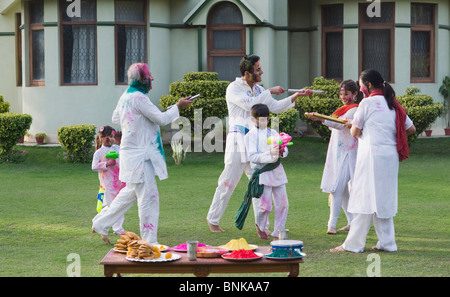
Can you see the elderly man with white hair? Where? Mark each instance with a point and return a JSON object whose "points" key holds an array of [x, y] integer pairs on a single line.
{"points": [[141, 154]]}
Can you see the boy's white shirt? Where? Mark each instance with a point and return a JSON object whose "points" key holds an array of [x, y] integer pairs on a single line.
{"points": [[140, 122], [240, 98], [258, 150]]}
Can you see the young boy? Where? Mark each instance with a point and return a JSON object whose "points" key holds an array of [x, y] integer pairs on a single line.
{"points": [[261, 153]]}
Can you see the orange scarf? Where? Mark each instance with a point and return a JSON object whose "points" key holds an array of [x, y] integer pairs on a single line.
{"points": [[343, 110]]}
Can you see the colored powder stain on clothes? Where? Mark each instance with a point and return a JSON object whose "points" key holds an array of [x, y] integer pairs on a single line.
{"points": [[160, 145]]}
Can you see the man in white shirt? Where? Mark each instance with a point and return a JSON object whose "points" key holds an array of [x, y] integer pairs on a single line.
{"points": [[141, 154], [241, 95]]}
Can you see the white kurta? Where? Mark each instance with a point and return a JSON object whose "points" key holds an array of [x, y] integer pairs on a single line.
{"points": [[141, 136], [108, 176], [259, 155], [274, 181], [342, 147], [375, 184], [142, 158], [240, 98], [109, 180]]}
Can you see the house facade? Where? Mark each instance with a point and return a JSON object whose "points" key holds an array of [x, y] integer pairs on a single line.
{"points": [[64, 62]]}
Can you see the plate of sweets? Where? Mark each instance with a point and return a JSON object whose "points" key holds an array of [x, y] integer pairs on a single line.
{"points": [[211, 252], [242, 255], [183, 247], [239, 244], [142, 251]]}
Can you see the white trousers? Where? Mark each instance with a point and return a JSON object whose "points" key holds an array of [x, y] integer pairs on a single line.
{"points": [[339, 198], [228, 180], [117, 226], [147, 198], [263, 206], [384, 228]]}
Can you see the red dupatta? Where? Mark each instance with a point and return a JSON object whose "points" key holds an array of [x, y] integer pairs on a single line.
{"points": [[343, 110], [400, 118]]}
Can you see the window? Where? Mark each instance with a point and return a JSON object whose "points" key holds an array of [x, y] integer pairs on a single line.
{"points": [[37, 56], [226, 40], [131, 36], [18, 50], [332, 44], [376, 35], [422, 42], [79, 44]]}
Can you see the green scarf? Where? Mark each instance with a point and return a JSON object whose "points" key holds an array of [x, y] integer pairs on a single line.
{"points": [[138, 86], [254, 190]]}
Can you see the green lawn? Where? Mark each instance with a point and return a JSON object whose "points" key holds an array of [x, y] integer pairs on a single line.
{"points": [[46, 208]]}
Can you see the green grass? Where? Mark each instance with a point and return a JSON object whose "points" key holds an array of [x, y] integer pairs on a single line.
{"points": [[46, 208]]}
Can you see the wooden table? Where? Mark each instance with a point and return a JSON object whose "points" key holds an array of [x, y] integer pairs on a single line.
{"points": [[115, 263]]}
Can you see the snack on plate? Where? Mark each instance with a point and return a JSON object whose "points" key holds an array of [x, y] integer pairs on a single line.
{"points": [[141, 249], [125, 239], [238, 244]]}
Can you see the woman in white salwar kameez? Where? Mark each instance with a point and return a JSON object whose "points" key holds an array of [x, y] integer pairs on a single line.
{"points": [[341, 156], [141, 154], [382, 126]]}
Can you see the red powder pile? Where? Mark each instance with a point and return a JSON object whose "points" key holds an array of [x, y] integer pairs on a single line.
{"points": [[242, 254]]}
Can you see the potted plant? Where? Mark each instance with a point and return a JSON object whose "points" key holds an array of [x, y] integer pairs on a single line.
{"points": [[40, 138], [445, 92]]}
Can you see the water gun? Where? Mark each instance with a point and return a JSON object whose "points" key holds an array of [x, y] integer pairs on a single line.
{"points": [[100, 195], [112, 155], [283, 140]]}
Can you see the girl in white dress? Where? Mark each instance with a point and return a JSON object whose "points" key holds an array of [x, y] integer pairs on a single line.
{"points": [[108, 171], [341, 155], [382, 126]]}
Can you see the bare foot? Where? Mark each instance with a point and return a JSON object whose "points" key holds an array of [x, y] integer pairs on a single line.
{"points": [[261, 234], [338, 249], [215, 228], [106, 239], [331, 230], [346, 228]]}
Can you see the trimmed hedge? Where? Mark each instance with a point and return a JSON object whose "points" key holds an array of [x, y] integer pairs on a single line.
{"points": [[4, 106], [13, 126], [421, 109], [325, 103], [213, 102], [78, 141]]}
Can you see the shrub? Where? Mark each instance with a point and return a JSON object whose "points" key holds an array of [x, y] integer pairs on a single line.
{"points": [[325, 103], [421, 109], [212, 103], [13, 126], [194, 76], [287, 120], [78, 141], [4, 106]]}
